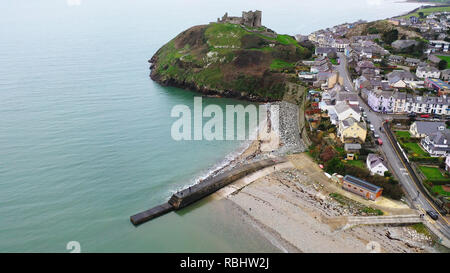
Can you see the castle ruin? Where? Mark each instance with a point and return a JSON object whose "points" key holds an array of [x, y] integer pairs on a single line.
{"points": [[248, 19]]}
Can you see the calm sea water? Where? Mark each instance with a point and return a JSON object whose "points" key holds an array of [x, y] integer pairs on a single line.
{"points": [[85, 134]]}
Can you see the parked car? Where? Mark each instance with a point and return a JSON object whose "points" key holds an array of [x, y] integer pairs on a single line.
{"points": [[433, 214], [412, 115], [372, 128], [435, 116], [364, 115], [379, 141], [376, 135], [425, 116]]}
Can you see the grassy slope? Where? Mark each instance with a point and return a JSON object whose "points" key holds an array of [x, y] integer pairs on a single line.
{"points": [[426, 11]]}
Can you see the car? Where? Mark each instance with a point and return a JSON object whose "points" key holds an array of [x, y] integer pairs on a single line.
{"points": [[412, 115], [376, 135], [425, 116], [372, 128], [432, 214], [379, 141], [435, 116], [364, 115]]}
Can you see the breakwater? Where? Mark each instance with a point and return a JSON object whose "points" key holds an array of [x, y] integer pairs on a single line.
{"points": [[204, 188]]}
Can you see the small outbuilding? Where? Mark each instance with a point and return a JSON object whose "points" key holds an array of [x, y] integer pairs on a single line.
{"points": [[361, 187]]}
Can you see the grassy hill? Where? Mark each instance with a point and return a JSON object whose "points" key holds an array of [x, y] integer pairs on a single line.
{"points": [[229, 60], [427, 11]]}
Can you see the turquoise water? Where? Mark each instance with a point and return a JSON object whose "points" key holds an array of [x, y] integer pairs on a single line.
{"points": [[85, 134]]}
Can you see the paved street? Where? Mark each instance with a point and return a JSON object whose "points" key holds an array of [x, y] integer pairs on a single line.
{"points": [[396, 165]]}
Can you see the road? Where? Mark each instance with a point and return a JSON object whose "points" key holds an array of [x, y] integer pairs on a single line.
{"points": [[397, 166]]}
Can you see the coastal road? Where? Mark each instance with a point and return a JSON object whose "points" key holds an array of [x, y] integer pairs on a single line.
{"points": [[398, 167]]}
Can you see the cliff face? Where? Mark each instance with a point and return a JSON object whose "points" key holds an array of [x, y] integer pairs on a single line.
{"points": [[229, 60]]}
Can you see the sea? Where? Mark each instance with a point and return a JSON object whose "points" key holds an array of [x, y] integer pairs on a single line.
{"points": [[85, 134]]}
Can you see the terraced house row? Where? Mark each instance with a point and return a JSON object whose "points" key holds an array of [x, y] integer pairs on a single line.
{"points": [[396, 102]]}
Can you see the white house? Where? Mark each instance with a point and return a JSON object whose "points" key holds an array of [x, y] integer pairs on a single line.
{"points": [[428, 72], [447, 164], [437, 144], [376, 165], [343, 111]]}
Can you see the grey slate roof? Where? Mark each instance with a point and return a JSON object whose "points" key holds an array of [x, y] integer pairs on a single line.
{"points": [[375, 160], [361, 183], [428, 127]]}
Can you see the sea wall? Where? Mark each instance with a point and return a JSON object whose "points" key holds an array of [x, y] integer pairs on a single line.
{"points": [[204, 188]]}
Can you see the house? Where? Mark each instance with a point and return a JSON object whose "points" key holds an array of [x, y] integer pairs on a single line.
{"points": [[376, 165], [428, 72], [381, 101], [427, 105], [335, 79], [421, 129], [340, 44], [361, 65], [344, 111], [396, 59], [437, 144], [440, 45], [440, 86], [402, 44], [349, 98], [400, 78], [447, 163], [434, 59], [445, 75], [351, 130], [329, 52], [412, 61], [361, 187]]}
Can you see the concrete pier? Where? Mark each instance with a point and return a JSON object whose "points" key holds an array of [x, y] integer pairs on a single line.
{"points": [[150, 214], [206, 187]]}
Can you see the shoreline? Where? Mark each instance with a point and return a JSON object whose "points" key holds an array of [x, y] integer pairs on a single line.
{"points": [[291, 207]]}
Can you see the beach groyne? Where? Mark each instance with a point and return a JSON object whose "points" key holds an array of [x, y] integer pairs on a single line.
{"points": [[202, 189]]}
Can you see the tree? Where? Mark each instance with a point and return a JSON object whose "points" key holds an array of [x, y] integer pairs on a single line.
{"points": [[390, 36], [327, 154], [421, 15], [335, 165], [442, 65]]}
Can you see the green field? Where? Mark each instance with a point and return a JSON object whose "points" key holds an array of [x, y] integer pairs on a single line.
{"points": [[416, 149], [357, 163], [445, 58], [439, 190], [426, 11], [431, 172]]}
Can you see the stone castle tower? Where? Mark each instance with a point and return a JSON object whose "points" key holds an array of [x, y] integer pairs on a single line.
{"points": [[249, 19]]}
